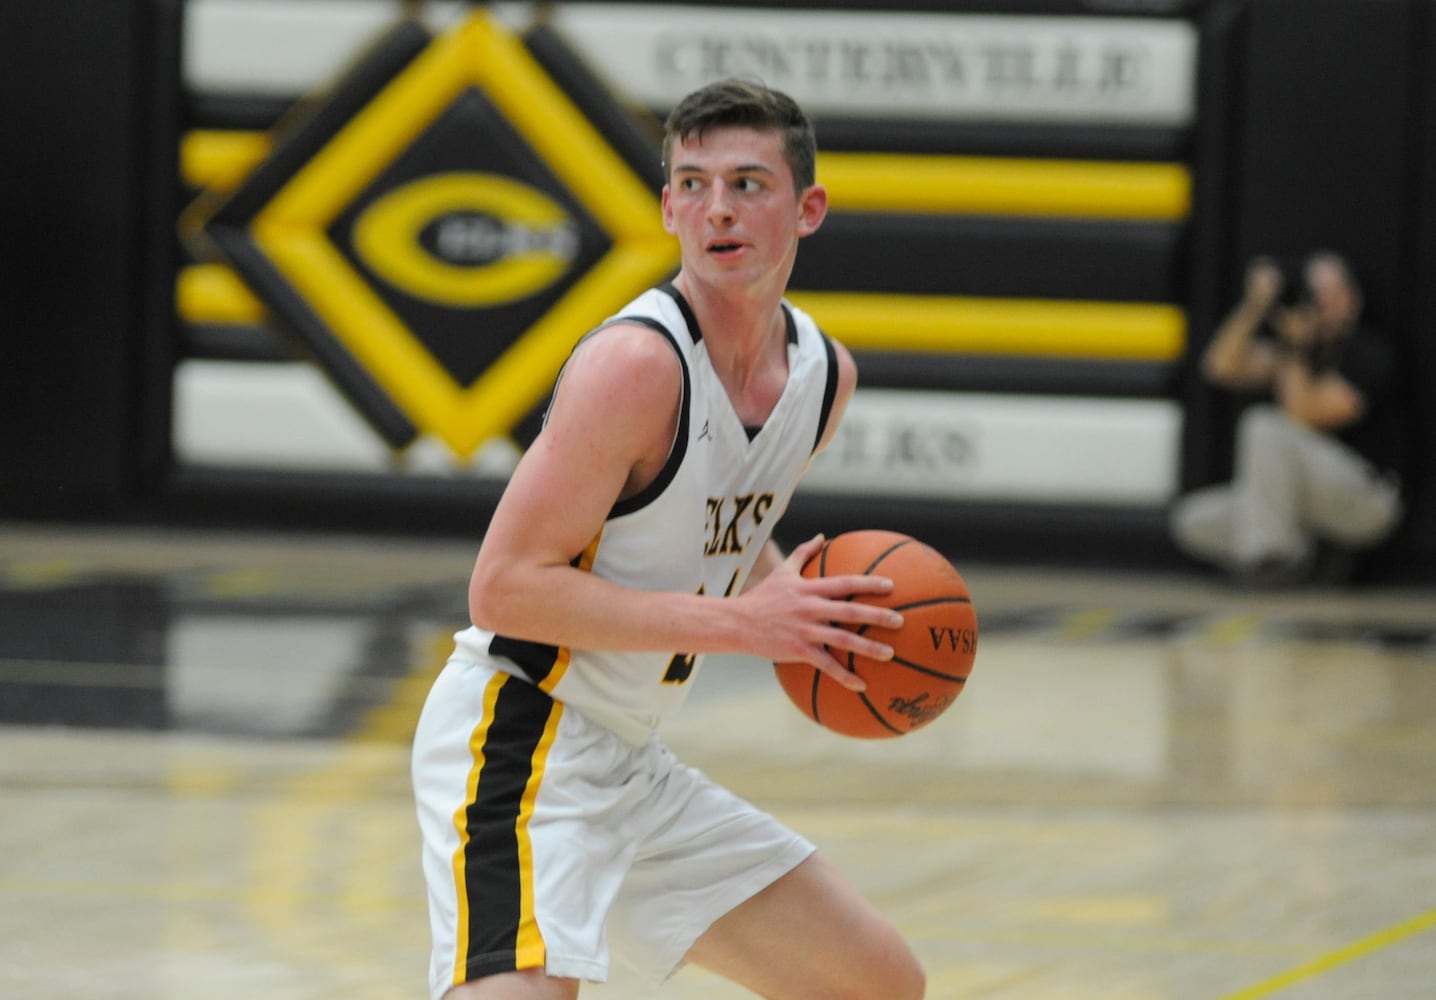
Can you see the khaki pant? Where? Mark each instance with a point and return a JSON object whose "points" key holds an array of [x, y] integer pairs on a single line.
{"points": [[1292, 486]]}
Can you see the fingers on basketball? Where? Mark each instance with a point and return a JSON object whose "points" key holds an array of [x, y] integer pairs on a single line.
{"points": [[933, 651]]}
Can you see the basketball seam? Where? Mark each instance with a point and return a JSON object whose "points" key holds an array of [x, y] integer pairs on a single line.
{"points": [[873, 709], [955, 678], [862, 696], [887, 552], [928, 602], [868, 702]]}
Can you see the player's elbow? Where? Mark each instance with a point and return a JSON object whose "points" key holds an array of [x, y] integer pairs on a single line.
{"points": [[489, 598]]}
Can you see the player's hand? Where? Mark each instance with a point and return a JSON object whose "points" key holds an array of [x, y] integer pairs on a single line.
{"points": [[800, 620]]}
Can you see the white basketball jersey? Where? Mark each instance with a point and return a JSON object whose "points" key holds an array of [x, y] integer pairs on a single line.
{"points": [[698, 528]]}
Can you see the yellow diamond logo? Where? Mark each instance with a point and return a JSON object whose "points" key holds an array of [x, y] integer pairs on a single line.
{"points": [[442, 229]]}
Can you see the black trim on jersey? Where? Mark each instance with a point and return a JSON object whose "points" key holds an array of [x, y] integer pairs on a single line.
{"points": [[830, 392], [536, 659], [790, 325], [493, 868], [665, 475], [689, 316]]}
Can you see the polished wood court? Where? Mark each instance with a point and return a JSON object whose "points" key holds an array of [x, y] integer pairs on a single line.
{"points": [[1155, 787]]}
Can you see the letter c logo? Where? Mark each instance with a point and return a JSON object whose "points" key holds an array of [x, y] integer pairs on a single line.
{"points": [[495, 240]]}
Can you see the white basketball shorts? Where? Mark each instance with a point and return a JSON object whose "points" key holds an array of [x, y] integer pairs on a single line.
{"points": [[547, 839]]}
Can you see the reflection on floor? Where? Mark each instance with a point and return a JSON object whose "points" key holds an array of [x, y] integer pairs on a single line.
{"points": [[1154, 787]]}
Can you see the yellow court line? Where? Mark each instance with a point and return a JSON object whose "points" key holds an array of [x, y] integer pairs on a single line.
{"points": [[1357, 949]]}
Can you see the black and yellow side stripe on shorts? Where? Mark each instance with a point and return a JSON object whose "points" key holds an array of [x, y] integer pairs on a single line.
{"points": [[493, 866]]}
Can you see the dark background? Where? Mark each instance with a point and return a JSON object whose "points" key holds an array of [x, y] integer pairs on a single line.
{"points": [[1316, 128]]}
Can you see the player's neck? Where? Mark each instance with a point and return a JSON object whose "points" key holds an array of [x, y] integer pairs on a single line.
{"points": [[739, 329]]}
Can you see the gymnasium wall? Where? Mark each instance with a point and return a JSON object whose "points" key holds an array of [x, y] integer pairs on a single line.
{"points": [[86, 208], [1010, 207], [1039, 211]]}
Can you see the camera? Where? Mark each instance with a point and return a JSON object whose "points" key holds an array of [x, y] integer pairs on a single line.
{"points": [[1294, 290]]}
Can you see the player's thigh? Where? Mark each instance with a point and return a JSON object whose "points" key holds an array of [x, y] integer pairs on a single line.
{"points": [[527, 984], [810, 935]]}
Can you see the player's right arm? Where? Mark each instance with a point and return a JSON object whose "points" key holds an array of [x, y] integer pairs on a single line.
{"points": [[608, 433]]}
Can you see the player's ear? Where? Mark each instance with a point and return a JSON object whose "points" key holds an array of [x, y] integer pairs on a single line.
{"points": [[667, 212], [812, 209]]}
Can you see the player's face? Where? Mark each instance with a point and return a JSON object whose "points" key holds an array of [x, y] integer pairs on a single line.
{"points": [[731, 202]]}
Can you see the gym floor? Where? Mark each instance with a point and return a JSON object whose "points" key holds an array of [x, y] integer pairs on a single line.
{"points": [[1155, 787]]}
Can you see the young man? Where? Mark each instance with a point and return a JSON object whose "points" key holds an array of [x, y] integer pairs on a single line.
{"points": [[1317, 466], [634, 537]]}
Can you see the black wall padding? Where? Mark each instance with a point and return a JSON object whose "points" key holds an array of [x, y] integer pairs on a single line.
{"points": [[1419, 279], [89, 126], [1002, 257], [1044, 141], [1326, 134], [1211, 237], [239, 112], [1023, 375]]}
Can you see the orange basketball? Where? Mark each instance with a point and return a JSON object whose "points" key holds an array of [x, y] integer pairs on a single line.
{"points": [[933, 652]]}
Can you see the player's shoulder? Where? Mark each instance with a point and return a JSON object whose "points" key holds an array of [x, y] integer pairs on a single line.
{"points": [[630, 340], [626, 357]]}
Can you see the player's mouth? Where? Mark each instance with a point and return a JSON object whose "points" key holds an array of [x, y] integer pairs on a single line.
{"points": [[724, 248]]}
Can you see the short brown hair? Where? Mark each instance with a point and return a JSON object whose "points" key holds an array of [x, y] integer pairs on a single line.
{"points": [[742, 103]]}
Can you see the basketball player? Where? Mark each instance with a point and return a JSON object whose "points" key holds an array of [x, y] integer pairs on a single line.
{"points": [[563, 841]]}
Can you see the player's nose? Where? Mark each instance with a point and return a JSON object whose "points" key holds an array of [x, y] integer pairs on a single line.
{"points": [[720, 201]]}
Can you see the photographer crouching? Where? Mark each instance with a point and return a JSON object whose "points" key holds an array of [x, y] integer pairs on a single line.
{"points": [[1315, 469]]}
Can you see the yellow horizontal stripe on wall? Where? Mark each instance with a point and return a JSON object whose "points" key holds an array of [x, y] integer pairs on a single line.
{"points": [[883, 182], [220, 160], [873, 182], [214, 294], [1119, 331]]}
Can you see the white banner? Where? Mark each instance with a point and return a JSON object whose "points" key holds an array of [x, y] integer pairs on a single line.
{"points": [[892, 442], [1089, 70], [1061, 449], [884, 63]]}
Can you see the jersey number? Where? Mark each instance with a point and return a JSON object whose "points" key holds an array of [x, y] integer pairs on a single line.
{"points": [[680, 668]]}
